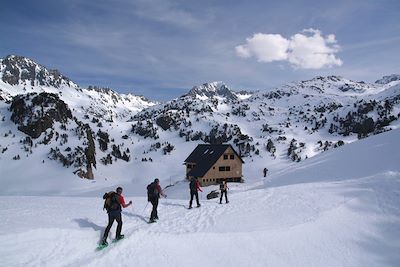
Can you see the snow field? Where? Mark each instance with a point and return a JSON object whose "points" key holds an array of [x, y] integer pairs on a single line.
{"points": [[345, 223]]}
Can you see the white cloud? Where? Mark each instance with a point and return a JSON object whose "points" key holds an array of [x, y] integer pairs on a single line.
{"points": [[265, 47], [306, 50]]}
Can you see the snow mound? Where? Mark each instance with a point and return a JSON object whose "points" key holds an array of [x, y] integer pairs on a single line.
{"points": [[373, 156]]}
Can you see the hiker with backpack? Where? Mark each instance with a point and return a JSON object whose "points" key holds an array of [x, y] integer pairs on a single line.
{"points": [[194, 187], [153, 194], [224, 190], [113, 202]]}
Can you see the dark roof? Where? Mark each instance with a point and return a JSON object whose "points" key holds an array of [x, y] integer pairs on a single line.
{"points": [[205, 156]]}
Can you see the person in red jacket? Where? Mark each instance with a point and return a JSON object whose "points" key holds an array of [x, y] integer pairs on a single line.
{"points": [[114, 213], [194, 188]]}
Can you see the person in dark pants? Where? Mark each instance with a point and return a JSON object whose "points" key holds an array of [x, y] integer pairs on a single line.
{"points": [[194, 188], [265, 172], [153, 194], [115, 201], [224, 190]]}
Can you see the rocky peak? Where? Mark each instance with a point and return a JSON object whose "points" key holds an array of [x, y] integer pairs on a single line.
{"points": [[17, 69], [211, 90], [332, 84], [388, 79]]}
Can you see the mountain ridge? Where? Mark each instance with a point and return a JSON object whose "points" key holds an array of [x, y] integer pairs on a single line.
{"points": [[286, 124]]}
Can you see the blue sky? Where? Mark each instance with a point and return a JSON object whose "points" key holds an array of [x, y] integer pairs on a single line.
{"points": [[161, 48]]}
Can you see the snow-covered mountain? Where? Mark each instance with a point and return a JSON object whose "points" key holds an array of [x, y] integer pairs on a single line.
{"points": [[50, 121], [212, 90], [34, 98], [388, 79]]}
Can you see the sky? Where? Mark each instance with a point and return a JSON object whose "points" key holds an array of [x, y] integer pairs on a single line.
{"points": [[162, 48]]}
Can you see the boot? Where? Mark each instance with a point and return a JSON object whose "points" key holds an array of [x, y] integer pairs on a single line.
{"points": [[119, 237]]}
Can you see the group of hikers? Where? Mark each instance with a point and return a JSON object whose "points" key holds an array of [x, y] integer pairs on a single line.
{"points": [[114, 202]]}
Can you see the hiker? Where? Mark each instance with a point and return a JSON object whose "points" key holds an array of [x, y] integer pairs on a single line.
{"points": [[265, 172], [113, 203], [224, 190], [194, 188], [153, 194]]}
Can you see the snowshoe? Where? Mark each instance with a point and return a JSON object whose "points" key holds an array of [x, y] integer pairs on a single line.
{"points": [[102, 245], [119, 237]]}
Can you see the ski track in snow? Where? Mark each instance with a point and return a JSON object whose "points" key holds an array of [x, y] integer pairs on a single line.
{"points": [[315, 224]]}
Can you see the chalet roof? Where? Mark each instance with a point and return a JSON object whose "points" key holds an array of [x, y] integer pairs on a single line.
{"points": [[204, 156]]}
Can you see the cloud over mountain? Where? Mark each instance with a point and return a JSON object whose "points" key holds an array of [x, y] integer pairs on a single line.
{"points": [[309, 49]]}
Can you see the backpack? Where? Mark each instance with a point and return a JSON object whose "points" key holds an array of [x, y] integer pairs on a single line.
{"points": [[152, 191], [111, 201], [192, 185], [221, 187]]}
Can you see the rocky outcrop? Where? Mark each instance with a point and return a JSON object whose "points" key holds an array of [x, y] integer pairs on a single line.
{"points": [[35, 113]]}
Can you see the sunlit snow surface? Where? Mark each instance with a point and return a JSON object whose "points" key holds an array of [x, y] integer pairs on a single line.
{"points": [[341, 208]]}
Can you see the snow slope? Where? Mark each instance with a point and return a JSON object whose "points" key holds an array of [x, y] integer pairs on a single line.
{"points": [[340, 208]]}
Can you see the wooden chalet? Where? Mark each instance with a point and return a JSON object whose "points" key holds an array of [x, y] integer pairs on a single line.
{"points": [[212, 164]]}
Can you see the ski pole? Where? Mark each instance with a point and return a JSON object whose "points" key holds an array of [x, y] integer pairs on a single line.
{"points": [[145, 206]]}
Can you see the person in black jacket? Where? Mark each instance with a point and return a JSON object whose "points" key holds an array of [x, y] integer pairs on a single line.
{"points": [[194, 187], [153, 194], [224, 190]]}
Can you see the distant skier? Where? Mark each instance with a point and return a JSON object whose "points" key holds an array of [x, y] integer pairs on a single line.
{"points": [[265, 172], [224, 190], [194, 188], [153, 194], [113, 203]]}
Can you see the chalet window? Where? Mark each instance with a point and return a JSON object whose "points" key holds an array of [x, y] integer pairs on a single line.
{"points": [[224, 169], [232, 157], [189, 166], [225, 156]]}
